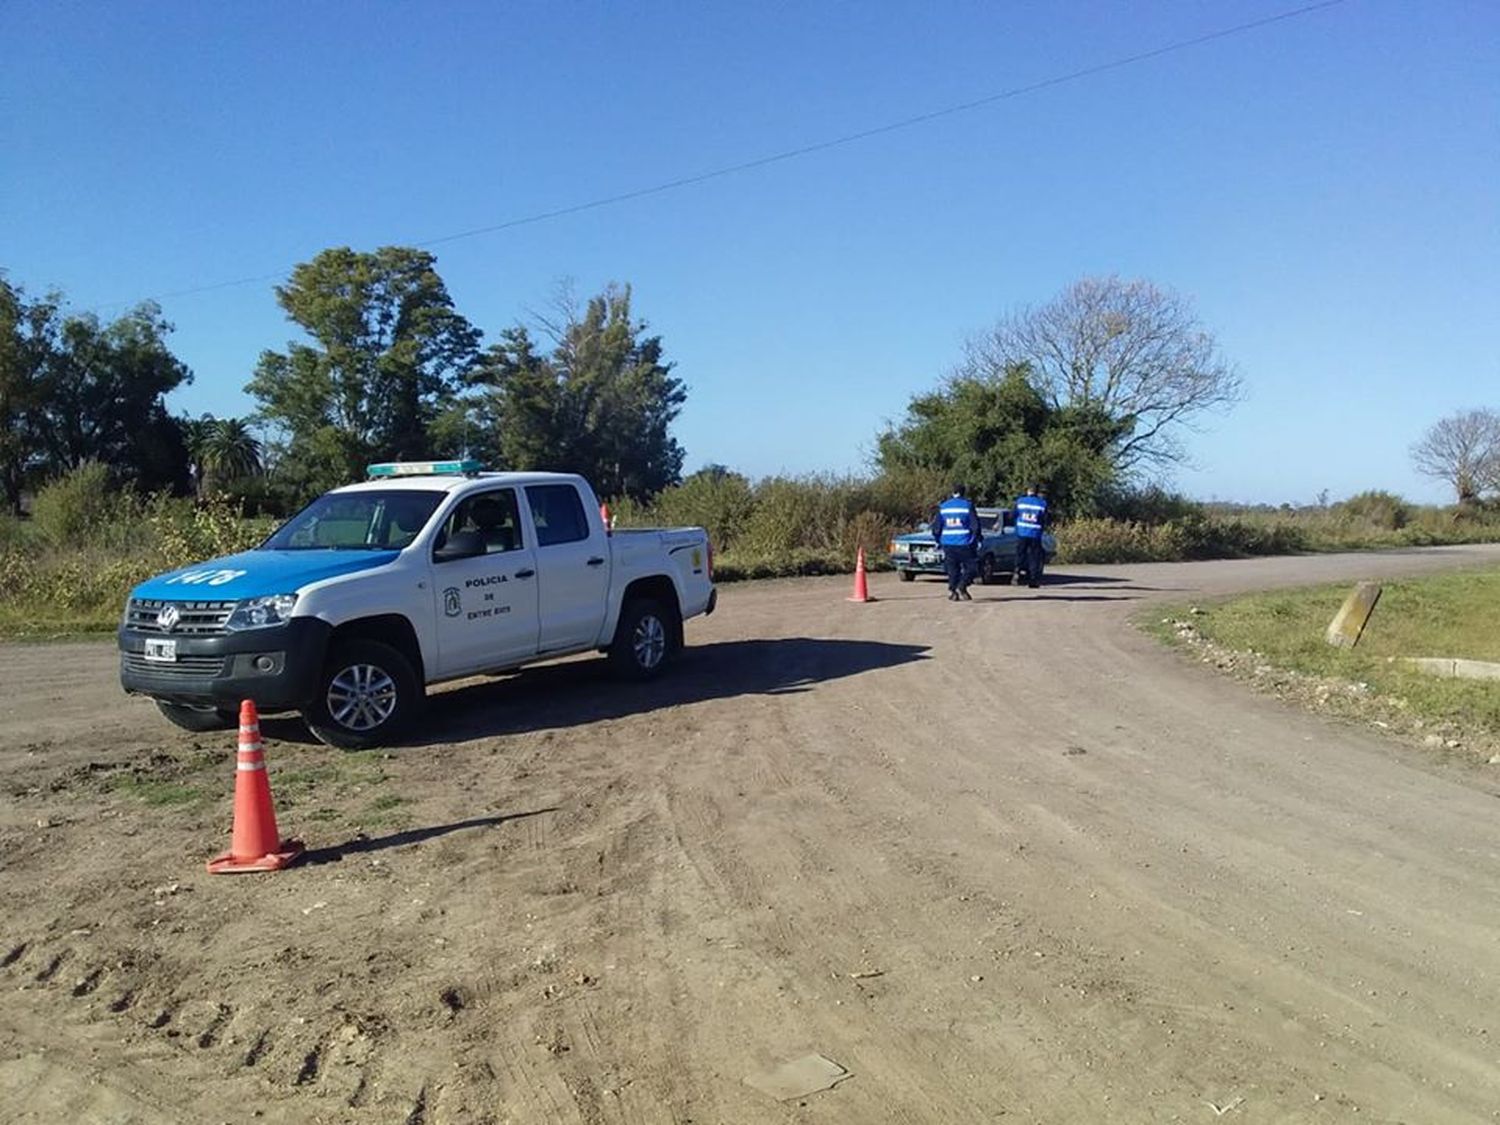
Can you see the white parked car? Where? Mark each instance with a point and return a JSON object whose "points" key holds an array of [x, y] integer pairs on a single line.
{"points": [[426, 572]]}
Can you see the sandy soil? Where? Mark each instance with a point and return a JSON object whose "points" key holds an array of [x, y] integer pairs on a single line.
{"points": [[1002, 860]]}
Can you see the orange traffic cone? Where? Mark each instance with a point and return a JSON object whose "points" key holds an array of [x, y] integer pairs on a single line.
{"points": [[861, 583], [254, 845]]}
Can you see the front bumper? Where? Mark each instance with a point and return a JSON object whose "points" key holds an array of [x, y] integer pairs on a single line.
{"points": [[931, 564], [277, 667]]}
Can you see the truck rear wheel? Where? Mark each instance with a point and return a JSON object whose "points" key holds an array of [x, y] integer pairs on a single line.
{"points": [[366, 696], [644, 639], [198, 719], [907, 575]]}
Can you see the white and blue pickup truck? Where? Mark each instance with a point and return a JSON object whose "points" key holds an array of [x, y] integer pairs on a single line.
{"points": [[426, 572]]}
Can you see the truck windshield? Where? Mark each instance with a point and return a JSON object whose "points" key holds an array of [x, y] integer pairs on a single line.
{"points": [[356, 521]]}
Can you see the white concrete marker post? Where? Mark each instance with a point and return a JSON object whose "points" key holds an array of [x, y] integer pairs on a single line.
{"points": [[1349, 623]]}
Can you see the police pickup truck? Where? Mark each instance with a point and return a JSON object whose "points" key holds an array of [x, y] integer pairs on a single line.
{"points": [[426, 572], [918, 553]]}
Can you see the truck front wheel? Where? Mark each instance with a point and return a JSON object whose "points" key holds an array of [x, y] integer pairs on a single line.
{"points": [[643, 639], [367, 694]]}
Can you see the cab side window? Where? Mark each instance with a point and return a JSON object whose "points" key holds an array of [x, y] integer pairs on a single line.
{"points": [[557, 513], [493, 517]]}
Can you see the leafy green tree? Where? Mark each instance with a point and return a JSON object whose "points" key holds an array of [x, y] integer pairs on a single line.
{"points": [[386, 351], [28, 337], [600, 403], [996, 435], [105, 400]]}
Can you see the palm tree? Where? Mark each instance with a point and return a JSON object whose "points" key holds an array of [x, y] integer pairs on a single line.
{"points": [[230, 452], [195, 435]]}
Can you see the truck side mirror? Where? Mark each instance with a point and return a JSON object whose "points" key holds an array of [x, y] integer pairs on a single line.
{"points": [[460, 545]]}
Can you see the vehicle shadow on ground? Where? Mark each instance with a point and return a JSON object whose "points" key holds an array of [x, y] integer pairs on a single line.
{"points": [[1043, 597], [411, 836], [1049, 579], [1061, 578], [579, 692]]}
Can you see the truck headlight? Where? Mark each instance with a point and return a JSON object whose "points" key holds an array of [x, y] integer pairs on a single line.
{"points": [[257, 613], [898, 548]]}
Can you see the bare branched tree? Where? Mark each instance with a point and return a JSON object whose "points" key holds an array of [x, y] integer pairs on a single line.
{"points": [[1130, 347], [1463, 450]]}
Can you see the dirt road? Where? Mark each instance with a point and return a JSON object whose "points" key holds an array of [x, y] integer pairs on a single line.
{"points": [[1002, 860]]}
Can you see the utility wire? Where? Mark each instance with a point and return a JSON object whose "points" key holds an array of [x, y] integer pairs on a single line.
{"points": [[819, 146]]}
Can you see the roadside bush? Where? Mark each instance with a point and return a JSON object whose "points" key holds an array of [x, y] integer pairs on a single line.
{"points": [[1111, 541], [718, 500], [1150, 505], [77, 507], [185, 532], [16, 534], [76, 578], [1376, 509], [1194, 536]]}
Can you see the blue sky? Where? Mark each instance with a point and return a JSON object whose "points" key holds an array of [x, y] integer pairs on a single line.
{"points": [[1326, 189]]}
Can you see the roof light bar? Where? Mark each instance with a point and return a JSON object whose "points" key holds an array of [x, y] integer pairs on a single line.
{"points": [[424, 468]]}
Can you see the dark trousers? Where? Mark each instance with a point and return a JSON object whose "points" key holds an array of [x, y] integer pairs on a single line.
{"points": [[1029, 555], [960, 563]]}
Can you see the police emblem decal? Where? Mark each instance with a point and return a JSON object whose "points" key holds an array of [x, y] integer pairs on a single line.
{"points": [[452, 607]]}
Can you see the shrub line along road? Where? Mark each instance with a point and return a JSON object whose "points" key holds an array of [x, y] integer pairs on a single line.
{"points": [[1031, 866]]}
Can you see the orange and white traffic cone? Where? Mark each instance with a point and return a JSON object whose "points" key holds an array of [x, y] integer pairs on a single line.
{"points": [[861, 582], [254, 844]]}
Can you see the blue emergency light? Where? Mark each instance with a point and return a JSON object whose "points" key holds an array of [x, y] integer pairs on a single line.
{"points": [[424, 468]]}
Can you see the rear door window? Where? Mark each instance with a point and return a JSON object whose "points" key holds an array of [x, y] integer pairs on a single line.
{"points": [[557, 513]]}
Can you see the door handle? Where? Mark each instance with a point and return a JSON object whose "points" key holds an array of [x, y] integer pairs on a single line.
{"points": [[596, 561], [525, 573]]}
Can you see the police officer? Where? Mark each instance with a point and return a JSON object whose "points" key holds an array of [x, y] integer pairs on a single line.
{"points": [[956, 530], [1031, 521]]}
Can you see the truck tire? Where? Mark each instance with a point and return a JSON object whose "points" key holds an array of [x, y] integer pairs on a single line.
{"points": [[907, 575], [987, 570], [198, 719], [643, 639], [366, 696]]}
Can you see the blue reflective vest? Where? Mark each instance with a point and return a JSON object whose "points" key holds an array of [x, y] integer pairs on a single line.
{"points": [[1031, 515], [958, 523]]}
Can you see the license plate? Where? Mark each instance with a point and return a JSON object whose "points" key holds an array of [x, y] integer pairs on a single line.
{"points": [[927, 557], [163, 651]]}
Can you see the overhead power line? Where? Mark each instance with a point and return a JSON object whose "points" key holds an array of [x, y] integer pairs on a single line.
{"points": [[819, 146]]}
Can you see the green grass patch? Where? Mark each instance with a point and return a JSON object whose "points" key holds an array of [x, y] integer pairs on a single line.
{"points": [[1451, 615], [337, 777], [154, 791], [386, 811]]}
